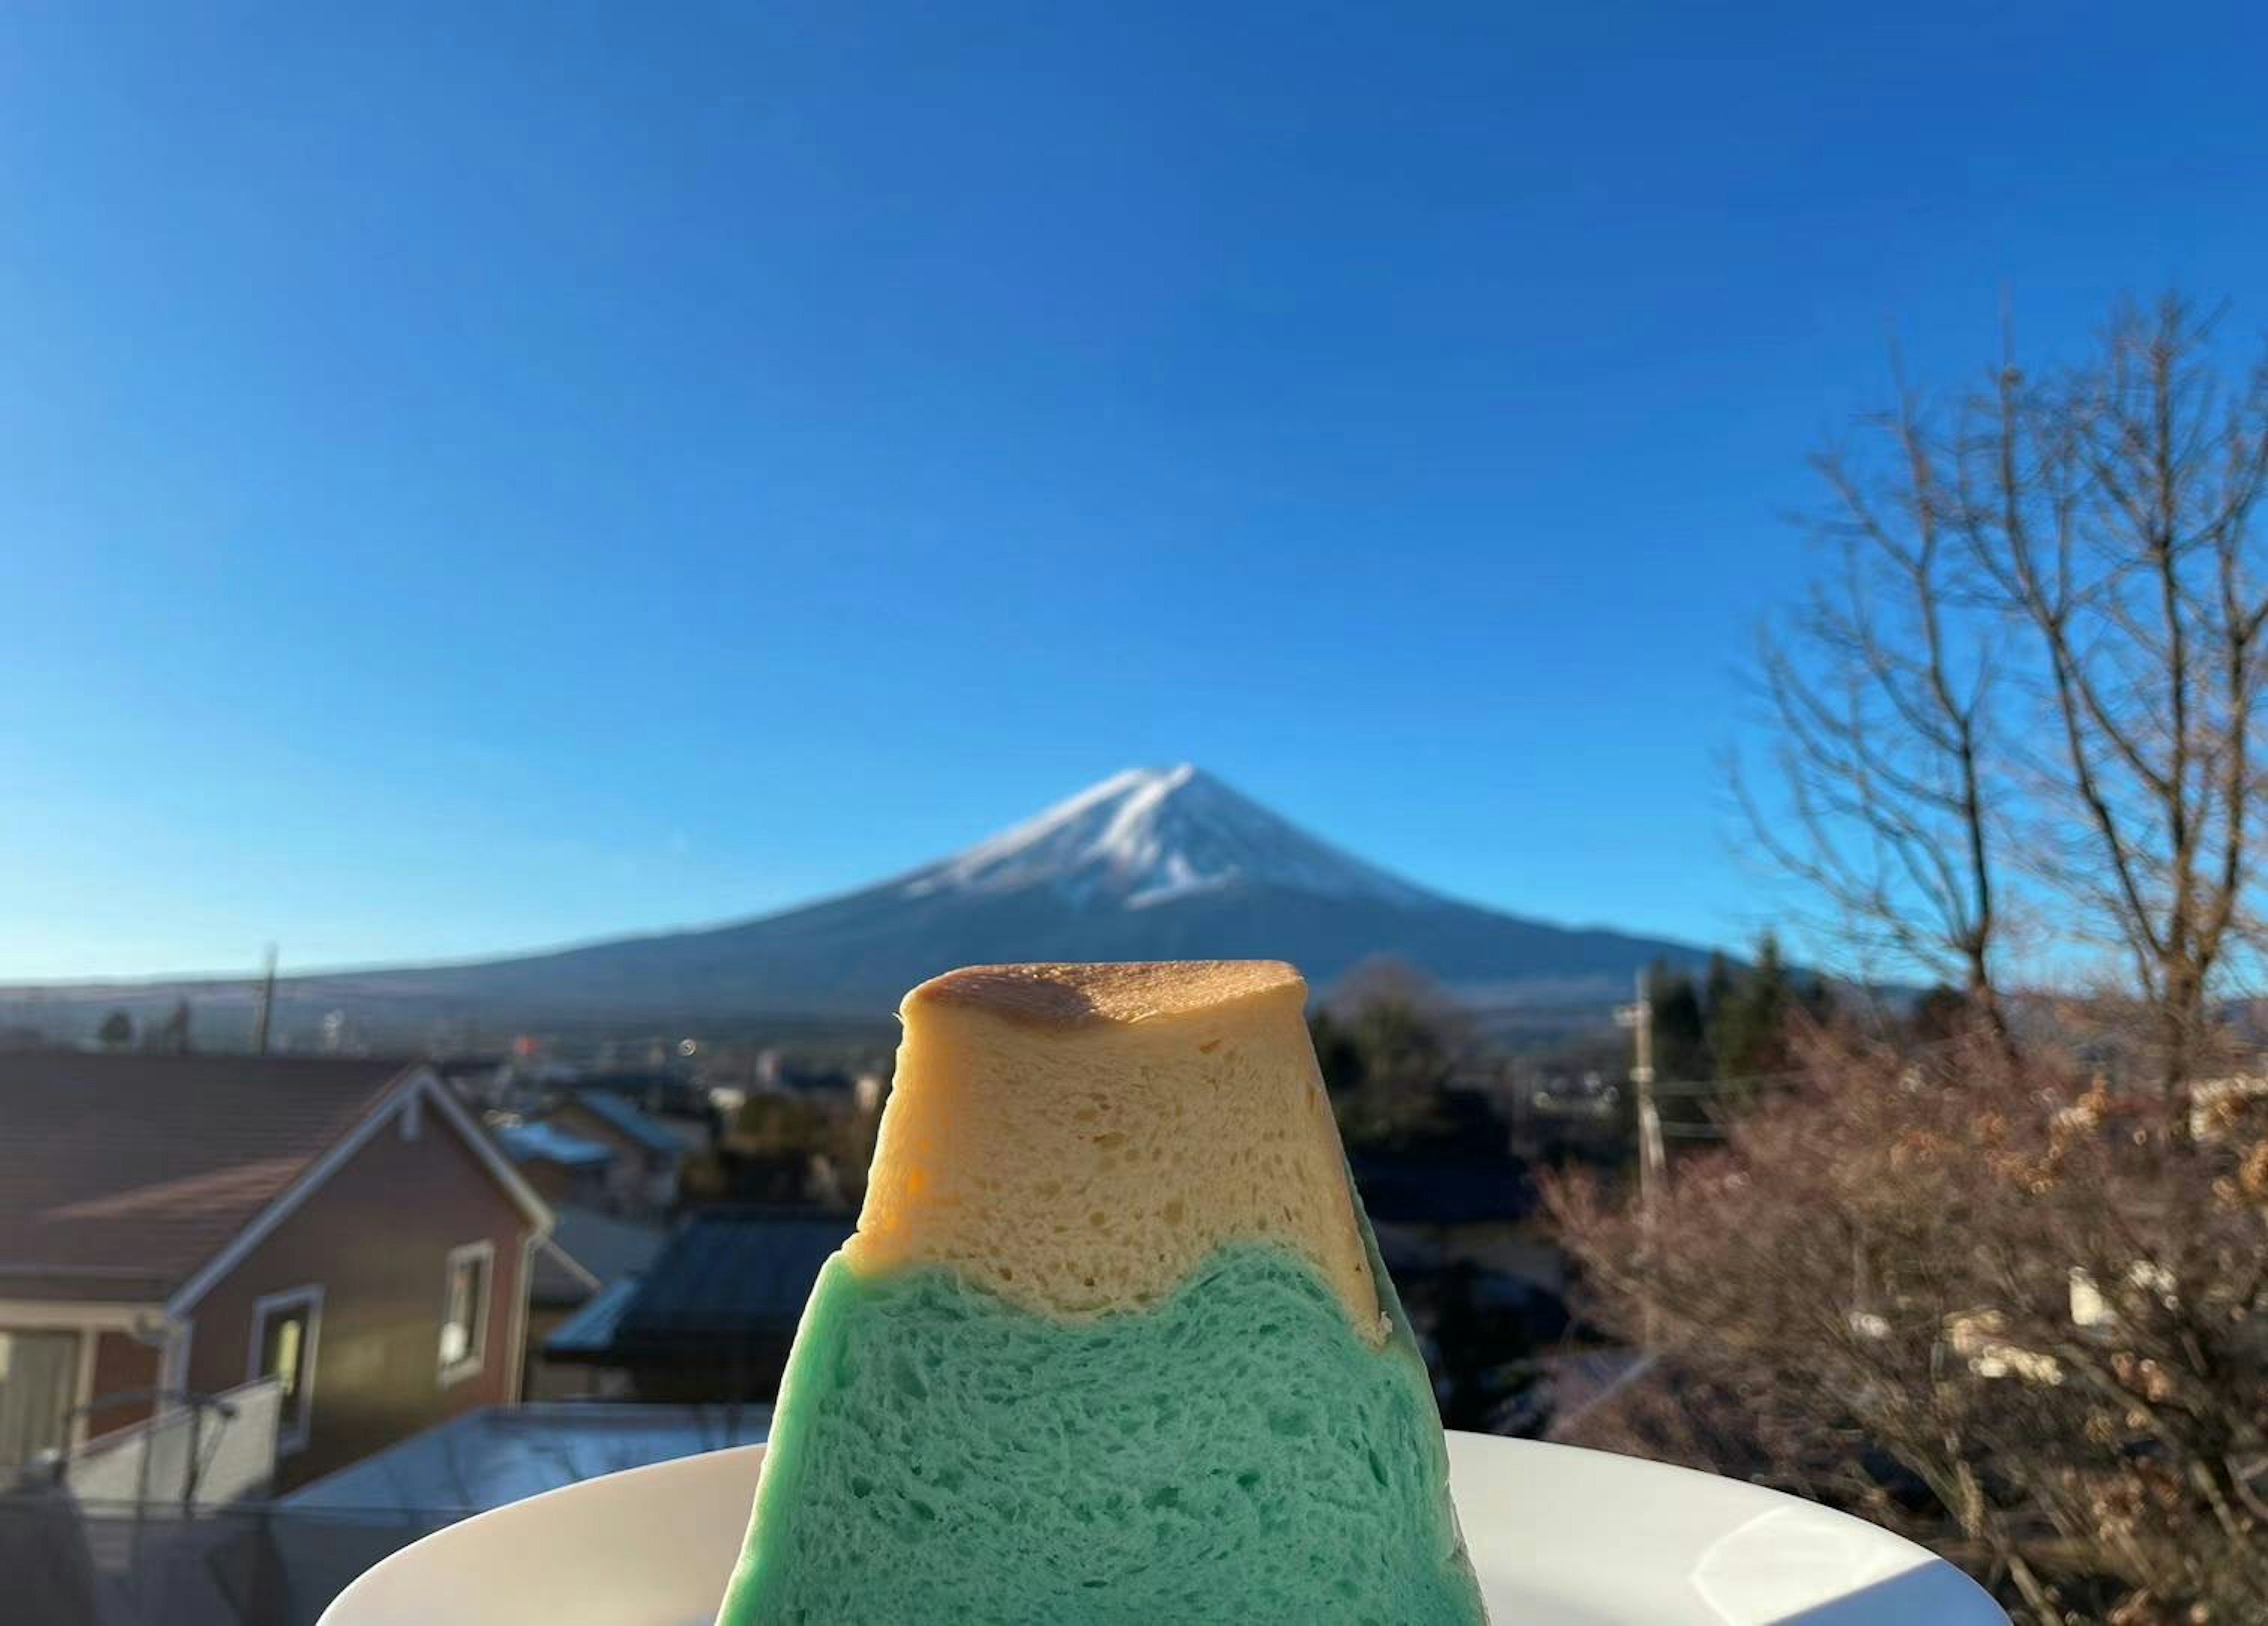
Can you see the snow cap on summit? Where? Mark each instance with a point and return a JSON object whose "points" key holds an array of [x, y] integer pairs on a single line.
{"points": [[1150, 834]]}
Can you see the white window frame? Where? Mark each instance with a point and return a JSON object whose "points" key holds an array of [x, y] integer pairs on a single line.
{"points": [[90, 1320], [289, 1440], [484, 1312]]}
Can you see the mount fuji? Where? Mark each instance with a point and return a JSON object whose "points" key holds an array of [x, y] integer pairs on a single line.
{"points": [[1151, 864]]}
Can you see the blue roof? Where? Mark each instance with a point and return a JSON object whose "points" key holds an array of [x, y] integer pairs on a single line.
{"points": [[591, 1330], [729, 1276], [485, 1457], [527, 1143], [628, 1119]]}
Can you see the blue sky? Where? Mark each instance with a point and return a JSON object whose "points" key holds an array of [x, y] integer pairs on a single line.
{"points": [[475, 477]]}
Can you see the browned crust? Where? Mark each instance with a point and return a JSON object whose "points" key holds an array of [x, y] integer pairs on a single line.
{"points": [[1069, 996]]}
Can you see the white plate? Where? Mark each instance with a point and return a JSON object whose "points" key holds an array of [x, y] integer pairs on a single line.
{"points": [[1561, 1537]]}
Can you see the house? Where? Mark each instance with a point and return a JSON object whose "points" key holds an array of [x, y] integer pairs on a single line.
{"points": [[565, 1169], [587, 1254], [643, 1175], [181, 1225], [830, 1089], [712, 1318], [662, 1088]]}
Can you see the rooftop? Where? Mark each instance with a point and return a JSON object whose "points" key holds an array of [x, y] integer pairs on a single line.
{"points": [[547, 1143], [495, 1454], [121, 1174], [727, 1276], [586, 1250], [728, 1273], [626, 1118], [588, 1334]]}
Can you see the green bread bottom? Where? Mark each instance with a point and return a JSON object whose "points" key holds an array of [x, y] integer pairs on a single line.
{"points": [[1236, 1453]]}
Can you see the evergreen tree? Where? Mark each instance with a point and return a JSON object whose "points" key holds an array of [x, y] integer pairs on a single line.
{"points": [[1681, 1045], [1389, 1049], [1749, 1027], [1768, 999], [1680, 1036], [1336, 1053], [1716, 988]]}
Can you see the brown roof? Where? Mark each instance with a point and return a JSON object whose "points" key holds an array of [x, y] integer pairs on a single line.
{"points": [[121, 1174]]}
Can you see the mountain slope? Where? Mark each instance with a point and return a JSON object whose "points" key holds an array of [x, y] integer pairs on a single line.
{"points": [[1148, 864]]}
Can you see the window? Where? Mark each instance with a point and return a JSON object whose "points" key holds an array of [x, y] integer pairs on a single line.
{"points": [[38, 1378], [285, 1327], [465, 1310]]}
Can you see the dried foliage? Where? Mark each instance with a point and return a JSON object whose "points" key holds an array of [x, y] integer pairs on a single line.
{"points": [[1869, 1296]]}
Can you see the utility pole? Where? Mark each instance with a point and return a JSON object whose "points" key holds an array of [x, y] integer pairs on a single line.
{"points": [[1521, 1084], [1638, 1016], [267, 1007]]}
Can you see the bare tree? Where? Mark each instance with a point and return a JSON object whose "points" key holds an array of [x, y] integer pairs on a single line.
{"points": [[1884, 696], [2033, 673], [2111, 510], [1968, 1288]]}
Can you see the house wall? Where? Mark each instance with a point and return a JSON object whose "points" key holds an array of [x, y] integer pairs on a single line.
{"points": [[376, 1238], [121, 1364]]}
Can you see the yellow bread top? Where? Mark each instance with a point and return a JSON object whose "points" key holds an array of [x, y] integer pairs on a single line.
{"points": [[1078, 1138], [1080, 995]]}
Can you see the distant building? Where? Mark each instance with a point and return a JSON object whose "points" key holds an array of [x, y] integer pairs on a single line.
{"points": [[776, 1072], [712, 1320], [588, 1254], [663, 1087], [480, 1081], [563, 1166], [642, 1176], [176, 1225]]}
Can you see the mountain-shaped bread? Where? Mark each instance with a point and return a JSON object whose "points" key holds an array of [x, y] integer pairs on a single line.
{"points": [[1112, 1343]]}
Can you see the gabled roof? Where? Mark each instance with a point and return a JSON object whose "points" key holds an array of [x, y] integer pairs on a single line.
{"points": [[626, 1119], [119, 1174], [134, 1178]]}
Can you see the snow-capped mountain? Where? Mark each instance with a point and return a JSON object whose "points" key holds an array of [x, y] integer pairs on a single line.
{"points": [[1148, 837], [1152, 863]]}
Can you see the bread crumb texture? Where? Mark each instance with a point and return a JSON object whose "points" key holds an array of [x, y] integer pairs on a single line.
{"points": [[1234, 1455], [1076, 1139]]}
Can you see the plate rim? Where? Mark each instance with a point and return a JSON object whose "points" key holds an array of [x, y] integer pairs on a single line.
{"points": [[1747, 1499]]}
